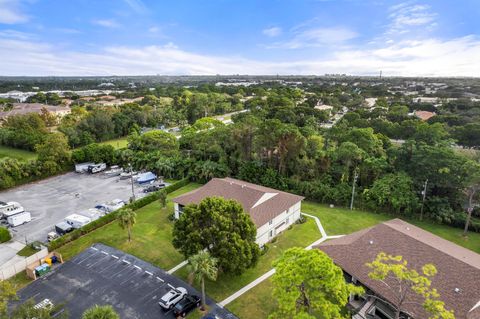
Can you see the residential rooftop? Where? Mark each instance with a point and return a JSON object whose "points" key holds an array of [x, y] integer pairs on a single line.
{"points": [[262, 203], [458, 269]]}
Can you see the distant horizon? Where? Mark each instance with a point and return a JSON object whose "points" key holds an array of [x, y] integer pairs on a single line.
{"points": [[403, 38], [246, 75]]}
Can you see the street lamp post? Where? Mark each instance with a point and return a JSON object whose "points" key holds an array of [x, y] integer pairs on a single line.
{"points": [[131, 181]]}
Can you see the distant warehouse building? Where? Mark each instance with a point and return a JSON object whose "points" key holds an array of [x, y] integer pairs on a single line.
{"points": [[271, 210]]}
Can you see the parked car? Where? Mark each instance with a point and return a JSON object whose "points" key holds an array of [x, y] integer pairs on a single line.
{"points": [[171, 298], [187, 304], [153, 188], [52, 236]]}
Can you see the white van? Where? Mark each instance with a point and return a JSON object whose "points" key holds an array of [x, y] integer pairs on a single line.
{"points": [[19, 219], [77, 221]]}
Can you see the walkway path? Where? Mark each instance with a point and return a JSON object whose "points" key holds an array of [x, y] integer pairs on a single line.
{"points": [[272, 271], [177, 267]]}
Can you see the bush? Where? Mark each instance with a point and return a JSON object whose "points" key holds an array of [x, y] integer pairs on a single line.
{"points": [[264, 249], [301, 220], [4, 235], [102, 221]]}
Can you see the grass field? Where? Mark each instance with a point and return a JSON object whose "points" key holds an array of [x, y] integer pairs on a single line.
{"points": [[117, 143], [151, 235], [338, 221], [299, 236], [255, 303], [16, 153], [26, 251]]}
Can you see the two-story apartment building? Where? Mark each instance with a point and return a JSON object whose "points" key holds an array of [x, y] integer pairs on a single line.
{"points": [[271, 210], [457, 279]]}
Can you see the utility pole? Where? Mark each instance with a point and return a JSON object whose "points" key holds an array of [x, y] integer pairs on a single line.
{"points": [[131, 181], [424, 194], [353, 189]]}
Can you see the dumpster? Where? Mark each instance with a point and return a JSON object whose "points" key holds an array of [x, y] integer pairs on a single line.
{"points": [[42, 269]]}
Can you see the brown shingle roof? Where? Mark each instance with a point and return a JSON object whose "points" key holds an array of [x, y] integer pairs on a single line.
{"points": [[457, 267], [424, 115], [262, 203]]}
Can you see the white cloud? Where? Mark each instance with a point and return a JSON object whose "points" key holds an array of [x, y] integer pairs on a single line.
{"points": [[431, 57], [137, 5], [316, 37], [272, 32], [10, 12], [107, 23], [408, 15]]}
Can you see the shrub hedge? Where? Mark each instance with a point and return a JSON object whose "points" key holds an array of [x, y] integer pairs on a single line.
{"points": [[102, 221], [4, 235]]}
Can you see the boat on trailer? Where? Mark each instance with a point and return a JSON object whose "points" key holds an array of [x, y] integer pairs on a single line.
{"points": [[147, 177]]}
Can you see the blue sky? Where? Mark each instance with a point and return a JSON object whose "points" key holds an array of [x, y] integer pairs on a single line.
{"points": [[134, 37]]}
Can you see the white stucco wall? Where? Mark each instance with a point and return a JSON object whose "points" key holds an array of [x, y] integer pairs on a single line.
{"points": [[271, 229]]}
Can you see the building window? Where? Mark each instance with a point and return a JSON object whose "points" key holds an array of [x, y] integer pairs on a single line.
{"points": [[287, 221], [270, 222], [270, 234]]}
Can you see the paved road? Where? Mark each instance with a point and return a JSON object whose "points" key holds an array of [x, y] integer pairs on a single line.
{"points": [[52, 199]]}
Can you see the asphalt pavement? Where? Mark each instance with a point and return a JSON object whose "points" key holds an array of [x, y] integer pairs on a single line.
{"points": [[104, 275], [50, 200]]}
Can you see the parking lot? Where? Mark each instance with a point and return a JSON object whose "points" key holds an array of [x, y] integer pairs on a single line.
{"points": [[49, 201], [104, 275]]}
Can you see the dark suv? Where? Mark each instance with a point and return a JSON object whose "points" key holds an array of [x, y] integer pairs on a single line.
{"points": [[187, 304], [153, 188]]}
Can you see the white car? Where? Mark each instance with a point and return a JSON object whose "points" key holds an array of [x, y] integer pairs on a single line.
{"points": [[171, 298]]}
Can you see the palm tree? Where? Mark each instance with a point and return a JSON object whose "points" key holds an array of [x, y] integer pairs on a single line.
{"points": [[126, 219], [201, 266], [100, 312]]}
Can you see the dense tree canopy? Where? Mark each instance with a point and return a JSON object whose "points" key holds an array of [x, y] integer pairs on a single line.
{"points": [[223, 228], [307, 284]]}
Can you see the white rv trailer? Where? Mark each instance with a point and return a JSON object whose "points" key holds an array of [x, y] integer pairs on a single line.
{"points": [[77, 221], [19, 219], [10, 209]]}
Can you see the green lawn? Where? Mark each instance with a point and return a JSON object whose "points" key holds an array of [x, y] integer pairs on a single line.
{"points": [[299, 236], [337, 221], [117, 143], [16, 153], [151, 235], [26, 251], [255, 303], [258, 303]]}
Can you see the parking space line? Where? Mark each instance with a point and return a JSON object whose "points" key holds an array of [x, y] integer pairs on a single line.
{"points": [[94, 248], [114, 256], [128, 279], [126, 262], [148, 273], [160, 279], [150, 293], [171, 286], [104, 252], [115, 274], [108, 267], [89, 266], [86, 258], [137, 267]]}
